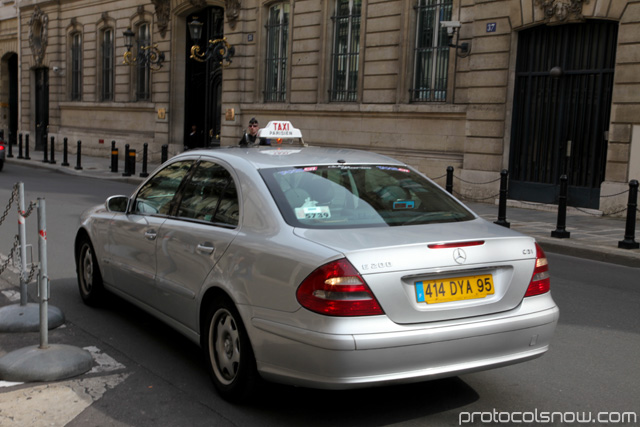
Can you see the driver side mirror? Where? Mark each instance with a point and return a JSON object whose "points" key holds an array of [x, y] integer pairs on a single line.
{"points": [[117, 204]]}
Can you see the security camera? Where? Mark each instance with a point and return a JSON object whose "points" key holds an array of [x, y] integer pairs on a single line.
{"points": [[56, 69], [450, 26]]}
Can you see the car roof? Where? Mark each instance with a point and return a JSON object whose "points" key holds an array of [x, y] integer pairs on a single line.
{"points": [[262, 157]]}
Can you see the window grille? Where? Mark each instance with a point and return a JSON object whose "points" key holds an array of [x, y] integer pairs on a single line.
{"points": [[431, 59], [76, 67], [107, 65], [346, 51], [143, 91], [276, 61]]}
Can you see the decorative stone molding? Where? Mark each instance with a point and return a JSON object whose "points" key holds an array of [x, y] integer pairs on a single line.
{"points": [[199, 3], [163, 14], [38, 30], [561, 10], [232, 8]]}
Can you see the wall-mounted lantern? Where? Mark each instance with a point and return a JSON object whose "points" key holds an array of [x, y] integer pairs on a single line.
{"points": [[147, 55], [219, 50]]}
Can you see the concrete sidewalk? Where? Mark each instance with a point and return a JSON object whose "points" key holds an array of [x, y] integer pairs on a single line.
{"points": [[592, 235]]}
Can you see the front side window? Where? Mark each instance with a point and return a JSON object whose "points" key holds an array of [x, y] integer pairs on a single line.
{"points": [[107, 65], [76, 67], [346, 50], [155, 197], [210, 195], [276, 55], [431, 55], [143, 80], [351, 196]]}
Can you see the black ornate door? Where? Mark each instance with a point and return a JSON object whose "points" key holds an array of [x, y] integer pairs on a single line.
{"points": [[562, 103], [203, 97], [42, 106]]}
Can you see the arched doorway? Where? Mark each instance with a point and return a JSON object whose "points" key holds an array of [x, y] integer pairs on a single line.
{"points": [[203, 85], [560, 117]]}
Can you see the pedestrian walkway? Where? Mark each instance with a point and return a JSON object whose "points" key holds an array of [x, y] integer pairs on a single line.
{"points": [[592, 235]]}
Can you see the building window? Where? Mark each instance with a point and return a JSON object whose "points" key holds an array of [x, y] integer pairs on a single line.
{"points": [[107, 65], [276, 66], [346, 50], [76, 67], [143, 80], [431, 51]]}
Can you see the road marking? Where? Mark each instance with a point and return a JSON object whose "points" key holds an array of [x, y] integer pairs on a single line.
{"points": [[54, 404], [11, 295], [105, 362]]}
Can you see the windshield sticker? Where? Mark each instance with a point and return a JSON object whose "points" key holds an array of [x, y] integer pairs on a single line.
{"points": [[392, 168], [279, 152], [309, 210], [347, 167], [313, 212], [404, 204]]}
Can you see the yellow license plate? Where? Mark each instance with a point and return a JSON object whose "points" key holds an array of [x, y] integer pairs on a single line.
{"points": [[454, 289]]}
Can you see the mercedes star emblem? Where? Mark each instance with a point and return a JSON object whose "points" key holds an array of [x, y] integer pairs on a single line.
{"points": [[459, 256]]}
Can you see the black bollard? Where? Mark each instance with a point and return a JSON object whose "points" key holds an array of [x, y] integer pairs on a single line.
{"points": [[20, 147], [45, 150], [79, 157], [52, 158], [629, 241], [65, 147], [449, 185], [145, 148], [165, 153], [502, 205], [10, 154], [132, 161], [560, 232], [26, 147], [127, 165], [114, 157]]}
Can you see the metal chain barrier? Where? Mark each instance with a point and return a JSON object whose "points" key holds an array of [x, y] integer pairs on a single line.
{"points": [[472, 199], [476, 183], [14, 197], [16, 243], [13, 255]]}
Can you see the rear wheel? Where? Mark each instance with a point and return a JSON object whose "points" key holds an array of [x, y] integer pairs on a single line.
{"points": [[88, 272], [228, 352]]}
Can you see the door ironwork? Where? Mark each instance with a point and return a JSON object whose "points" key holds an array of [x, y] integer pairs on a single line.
{"points": [[42, 106], [562, 104], [203, 96]]}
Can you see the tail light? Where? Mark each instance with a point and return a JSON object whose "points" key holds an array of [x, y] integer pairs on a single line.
{"points": [[540, 282], [336, 289], [1, 147]]}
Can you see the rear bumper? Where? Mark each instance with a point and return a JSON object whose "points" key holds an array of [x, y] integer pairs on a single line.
{"points": [[339, 361]]}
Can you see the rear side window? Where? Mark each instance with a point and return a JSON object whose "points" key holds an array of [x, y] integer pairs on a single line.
{"points": [[210, 195], [345, 196]]}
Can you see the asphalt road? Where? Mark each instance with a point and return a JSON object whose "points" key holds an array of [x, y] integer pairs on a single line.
{"points": [[156, 377]]}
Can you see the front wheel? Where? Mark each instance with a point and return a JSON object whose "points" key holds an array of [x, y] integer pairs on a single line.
{"points": [[228, 353], [88, 272]]}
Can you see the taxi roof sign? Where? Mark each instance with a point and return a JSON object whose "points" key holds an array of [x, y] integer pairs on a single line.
{"points": [[280, 129]]}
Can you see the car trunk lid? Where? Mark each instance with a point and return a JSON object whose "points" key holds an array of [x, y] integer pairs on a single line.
{"points": [[437, 272]]}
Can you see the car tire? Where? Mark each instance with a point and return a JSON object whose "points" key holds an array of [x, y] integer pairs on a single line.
{"points": [[1, 164], [88, 272], [228, 353]]}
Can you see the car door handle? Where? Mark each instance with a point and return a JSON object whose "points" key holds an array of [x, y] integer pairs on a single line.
{"points": [[150, 234], [205, 248]]}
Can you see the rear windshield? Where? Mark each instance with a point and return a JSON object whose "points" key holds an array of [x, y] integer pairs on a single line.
{"points": [[346, 196]]}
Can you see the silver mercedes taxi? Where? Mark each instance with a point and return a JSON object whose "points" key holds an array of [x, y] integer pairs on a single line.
{"points": [[318, 267]]}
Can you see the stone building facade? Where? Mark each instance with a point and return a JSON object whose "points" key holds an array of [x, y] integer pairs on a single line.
{"points": [[541, 88]]}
